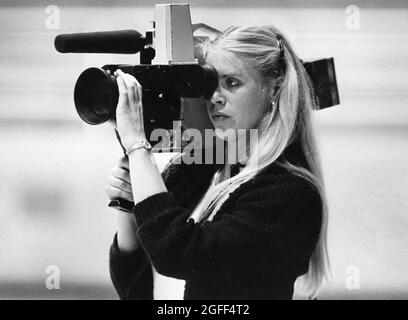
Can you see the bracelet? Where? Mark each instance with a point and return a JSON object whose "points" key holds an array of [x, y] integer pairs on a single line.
{"points": [[139, 145]]}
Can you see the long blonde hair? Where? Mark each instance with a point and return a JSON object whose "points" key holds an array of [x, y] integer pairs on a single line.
{"points": [[267, 50]]}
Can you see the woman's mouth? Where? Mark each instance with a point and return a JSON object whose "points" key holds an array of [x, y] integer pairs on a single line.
{"points": [[219, 117]]}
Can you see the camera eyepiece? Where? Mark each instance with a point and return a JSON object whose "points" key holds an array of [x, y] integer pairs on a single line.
{"points": [[210, 84]]}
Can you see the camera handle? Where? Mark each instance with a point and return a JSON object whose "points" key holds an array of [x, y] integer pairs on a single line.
{"points": [[119, 203]]}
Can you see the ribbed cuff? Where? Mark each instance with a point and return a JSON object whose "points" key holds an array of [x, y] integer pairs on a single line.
{"points": [[120, 261], [152, 206], [117, 255]]}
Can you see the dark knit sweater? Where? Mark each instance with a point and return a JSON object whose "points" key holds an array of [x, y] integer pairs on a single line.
{"points": [[255, 247]]}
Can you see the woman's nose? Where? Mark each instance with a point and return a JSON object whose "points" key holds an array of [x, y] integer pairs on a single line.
{"points": [[217, 97]]}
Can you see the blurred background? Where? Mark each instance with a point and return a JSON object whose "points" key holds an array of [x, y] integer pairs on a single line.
{"points": [[54, 219]]}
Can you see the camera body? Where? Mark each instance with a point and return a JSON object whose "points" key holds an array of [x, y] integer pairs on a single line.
{"points": [[168, 71], [174, 83], [96, 92]]}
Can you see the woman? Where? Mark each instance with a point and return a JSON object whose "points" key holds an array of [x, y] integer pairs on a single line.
{"points": [[248, 234]]}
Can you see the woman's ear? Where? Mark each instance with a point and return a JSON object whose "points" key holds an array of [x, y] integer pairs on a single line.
{"points": [[276, 86], [273, 88]]}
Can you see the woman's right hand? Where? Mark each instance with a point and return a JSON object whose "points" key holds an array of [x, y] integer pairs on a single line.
{"points": [[119, 185]]}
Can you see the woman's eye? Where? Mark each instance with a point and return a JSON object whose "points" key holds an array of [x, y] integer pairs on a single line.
{"points": [[231, 82]]}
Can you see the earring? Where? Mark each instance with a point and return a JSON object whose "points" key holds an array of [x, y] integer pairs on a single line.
{"points": [[272, 105]]}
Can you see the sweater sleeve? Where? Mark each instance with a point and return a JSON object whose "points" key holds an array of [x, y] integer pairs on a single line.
{"points": [[273, 226], [132, 274]]}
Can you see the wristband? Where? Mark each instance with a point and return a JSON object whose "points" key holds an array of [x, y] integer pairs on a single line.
{"points": [[122, 204]]}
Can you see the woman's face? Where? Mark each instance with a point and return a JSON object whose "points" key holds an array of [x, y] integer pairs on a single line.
{"points": [[241, 99]]}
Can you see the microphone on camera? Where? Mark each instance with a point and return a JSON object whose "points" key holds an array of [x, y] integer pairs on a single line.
{"points": [[122, 41]]}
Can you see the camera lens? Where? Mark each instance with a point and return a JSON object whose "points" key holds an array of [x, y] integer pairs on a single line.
{"points": [[95, 96], [100, 98]]}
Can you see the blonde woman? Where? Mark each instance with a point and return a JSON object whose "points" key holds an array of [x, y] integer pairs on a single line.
{"points": [[231, 232]]}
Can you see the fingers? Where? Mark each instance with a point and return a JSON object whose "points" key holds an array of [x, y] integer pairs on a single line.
{"points": [[131, 82], [133, 87], [129, 87], [115, 193], [129, 112], [124, 163], [123, 96], [120, 184], [120, 173]]}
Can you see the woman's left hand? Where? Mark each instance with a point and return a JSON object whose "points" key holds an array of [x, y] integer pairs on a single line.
{"points": [[129, 111]]}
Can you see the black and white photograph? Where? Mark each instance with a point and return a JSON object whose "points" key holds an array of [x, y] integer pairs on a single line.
{"points": [[203, 150]]}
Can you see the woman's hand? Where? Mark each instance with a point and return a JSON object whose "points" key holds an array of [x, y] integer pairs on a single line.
{"points": [[129, 111], [119, 184]]}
